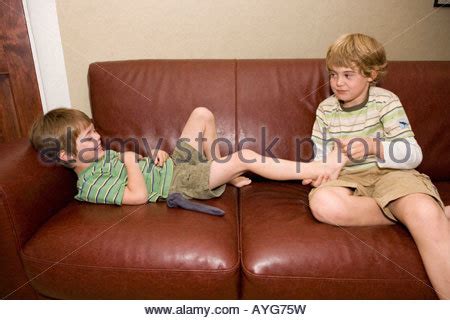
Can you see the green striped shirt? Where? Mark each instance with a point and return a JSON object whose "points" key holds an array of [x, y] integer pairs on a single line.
{"points": [[381, 116], [105, 180]]}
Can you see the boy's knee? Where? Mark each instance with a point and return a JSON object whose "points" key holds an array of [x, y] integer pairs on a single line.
{"points": [[247, 155], [419, 211], [329, 207], [243, 158], [204, 113]]}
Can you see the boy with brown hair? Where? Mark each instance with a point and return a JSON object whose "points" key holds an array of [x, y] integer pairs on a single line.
{"points": [[374, 188], [109, 177]]}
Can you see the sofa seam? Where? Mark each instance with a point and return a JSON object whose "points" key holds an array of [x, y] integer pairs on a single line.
{"points": [[325, 278], [238, 196], [80, 266], [236, 120]]}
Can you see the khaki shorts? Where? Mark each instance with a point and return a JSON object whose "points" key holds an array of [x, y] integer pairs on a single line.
{"points": [[385, 186], [191, 173]]}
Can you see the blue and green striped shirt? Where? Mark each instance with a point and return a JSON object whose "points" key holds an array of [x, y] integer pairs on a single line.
{"points": [[105, 180]]}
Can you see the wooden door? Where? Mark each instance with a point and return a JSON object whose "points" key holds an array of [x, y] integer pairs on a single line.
{"points": [[20, 102]]}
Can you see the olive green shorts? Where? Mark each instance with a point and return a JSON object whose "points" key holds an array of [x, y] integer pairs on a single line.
{"points": [[384, 185], [191, 173]]}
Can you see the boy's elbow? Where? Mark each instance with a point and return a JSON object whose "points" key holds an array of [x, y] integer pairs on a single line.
{"points": [[143, 198], [135, 197], [418, 160], [416, 156]]}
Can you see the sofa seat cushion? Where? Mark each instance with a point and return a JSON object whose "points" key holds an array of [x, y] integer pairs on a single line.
{"points": [[90, 251], [287, 254]]}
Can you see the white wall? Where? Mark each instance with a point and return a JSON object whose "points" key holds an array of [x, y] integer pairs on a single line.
{"points": [[45, 38], [102, 30], [99, 30]]}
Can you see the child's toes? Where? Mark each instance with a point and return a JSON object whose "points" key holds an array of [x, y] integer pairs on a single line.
{"points": [[241, 181], [246, 182]]}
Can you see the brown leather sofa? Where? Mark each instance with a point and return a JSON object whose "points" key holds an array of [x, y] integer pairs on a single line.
{"points": [[267, 246]]}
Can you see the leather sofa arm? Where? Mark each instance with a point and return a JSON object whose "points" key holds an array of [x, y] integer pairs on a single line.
{"points": [[30, 193]]}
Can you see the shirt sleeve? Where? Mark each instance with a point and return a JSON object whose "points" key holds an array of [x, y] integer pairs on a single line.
{"points": [[320, 135], [101, 188], [401, 150], [394, 120], [401, 154]]}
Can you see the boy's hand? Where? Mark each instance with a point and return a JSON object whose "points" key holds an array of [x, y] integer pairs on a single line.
{"points": [[317, 182], [331, 167], [159, 157], [358, 148], [130, 157]]}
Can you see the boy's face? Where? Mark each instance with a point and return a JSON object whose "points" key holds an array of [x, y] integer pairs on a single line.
{"points": [[349, 85], [89, 146]]}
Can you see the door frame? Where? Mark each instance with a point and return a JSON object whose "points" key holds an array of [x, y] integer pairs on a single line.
{"points": [[48, 55]]}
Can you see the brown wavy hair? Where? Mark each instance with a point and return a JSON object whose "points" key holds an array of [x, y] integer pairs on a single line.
{"points": [[58, 131], [360, 51]]}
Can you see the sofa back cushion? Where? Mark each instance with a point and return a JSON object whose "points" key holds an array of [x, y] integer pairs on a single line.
{"points": [[424, 90], [265, 105], [152, 99], [276, 105]]}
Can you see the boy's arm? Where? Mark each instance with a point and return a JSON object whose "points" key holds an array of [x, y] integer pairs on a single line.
{"points": [[321, 147], [319, 136], [398, 149], [404, 153], [136, 189], [400, 154]]}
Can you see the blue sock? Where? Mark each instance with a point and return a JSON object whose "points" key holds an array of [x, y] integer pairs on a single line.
{"points": [[176, 200]]}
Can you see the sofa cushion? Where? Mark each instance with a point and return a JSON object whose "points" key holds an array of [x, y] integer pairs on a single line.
{"points": [[136, 252], [152, 99], [287, 254], [277, 102], [423, 89]]}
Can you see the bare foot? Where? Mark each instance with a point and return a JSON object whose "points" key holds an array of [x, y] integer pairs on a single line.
{"points": [[240, 181]]}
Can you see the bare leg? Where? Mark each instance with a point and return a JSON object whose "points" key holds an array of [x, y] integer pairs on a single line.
{"points": [[202, 125], [337, 206], [224, 170], [429, 227], [244, 160]]}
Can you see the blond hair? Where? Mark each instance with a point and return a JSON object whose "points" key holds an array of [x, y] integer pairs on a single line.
{"points": [[58, 131], [360, 51]]}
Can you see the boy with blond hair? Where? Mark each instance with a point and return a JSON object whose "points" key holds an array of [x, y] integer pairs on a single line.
{"points": [[109, 177], [374, 188]]}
